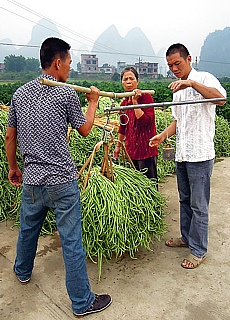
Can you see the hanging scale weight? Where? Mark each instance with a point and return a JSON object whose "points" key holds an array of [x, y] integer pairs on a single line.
{"points": [[168, 152]]}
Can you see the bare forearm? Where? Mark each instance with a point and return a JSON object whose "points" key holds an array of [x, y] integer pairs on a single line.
{"points": [[169, 131], [90, 114], [206, 92], [11, 147], [155, 141], [92, 98], [85, 129]]}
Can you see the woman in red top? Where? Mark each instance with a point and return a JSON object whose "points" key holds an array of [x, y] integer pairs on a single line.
{"points": [[138, 127]]}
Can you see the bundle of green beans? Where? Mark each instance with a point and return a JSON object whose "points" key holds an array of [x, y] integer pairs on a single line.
{"points": [[122, 215], [9, 195], [164, 167]]}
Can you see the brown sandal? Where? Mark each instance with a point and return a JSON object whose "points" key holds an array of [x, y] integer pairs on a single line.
{"points": [[176, 243], [193, 260]]}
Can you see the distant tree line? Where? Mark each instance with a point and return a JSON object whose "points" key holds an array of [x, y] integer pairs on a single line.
{"points": [[19, 63], [19, 68]]}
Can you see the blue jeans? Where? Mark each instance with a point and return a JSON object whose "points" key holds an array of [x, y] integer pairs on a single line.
{"points": [[65, 200], [193, 179]]}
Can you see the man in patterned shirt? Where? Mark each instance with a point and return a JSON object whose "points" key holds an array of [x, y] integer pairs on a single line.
{"points": [[194, 126], [38, 119]]}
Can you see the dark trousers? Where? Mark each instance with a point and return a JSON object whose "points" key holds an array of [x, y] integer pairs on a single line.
{"points": [[147, 166]]}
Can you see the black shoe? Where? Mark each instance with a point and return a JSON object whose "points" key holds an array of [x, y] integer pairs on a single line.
{"points": [[22, 279], [100, 303]]}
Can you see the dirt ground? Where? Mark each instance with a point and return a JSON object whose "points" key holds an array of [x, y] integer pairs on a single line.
{"points": [[154, 286]]}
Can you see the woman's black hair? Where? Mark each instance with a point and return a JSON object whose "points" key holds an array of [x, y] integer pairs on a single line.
{"points": [[132, 69]]}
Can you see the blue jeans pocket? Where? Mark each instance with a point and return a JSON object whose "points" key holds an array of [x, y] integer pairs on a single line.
{"points": [[64, 195], [28, 193]]}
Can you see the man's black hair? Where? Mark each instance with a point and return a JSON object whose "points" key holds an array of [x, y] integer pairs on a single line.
{"points": [[51, 49]]}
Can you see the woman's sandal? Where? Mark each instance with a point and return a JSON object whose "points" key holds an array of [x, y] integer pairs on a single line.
{"points": [[192, 260], [177, 243]]}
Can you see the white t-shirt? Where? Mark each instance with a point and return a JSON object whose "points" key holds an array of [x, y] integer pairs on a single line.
{"points": [[195, 122]]}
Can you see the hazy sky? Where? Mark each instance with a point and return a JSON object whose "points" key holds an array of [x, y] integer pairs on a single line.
{"points": [[164, 21]]}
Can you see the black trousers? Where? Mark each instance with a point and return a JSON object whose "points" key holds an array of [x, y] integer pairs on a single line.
{"points": [[147, 166]]}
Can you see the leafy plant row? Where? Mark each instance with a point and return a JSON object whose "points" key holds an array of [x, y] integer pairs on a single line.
{"points": [[162, 93]]}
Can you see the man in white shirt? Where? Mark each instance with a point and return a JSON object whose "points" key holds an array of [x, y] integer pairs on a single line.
{"points": [[194, 126]]}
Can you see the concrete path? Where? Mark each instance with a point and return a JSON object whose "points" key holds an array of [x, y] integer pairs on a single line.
{"points": [[154, 286]]}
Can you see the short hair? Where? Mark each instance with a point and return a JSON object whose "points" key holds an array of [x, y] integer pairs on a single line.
{"points": [[51, 49], [134, 71], [178, 47]]}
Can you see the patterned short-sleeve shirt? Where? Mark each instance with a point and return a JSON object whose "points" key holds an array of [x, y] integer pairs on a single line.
{"points": [[41, 114]]}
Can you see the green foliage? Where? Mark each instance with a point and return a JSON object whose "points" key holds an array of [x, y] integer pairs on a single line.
{"points": [[81, 147], [19, 63], [15, 63], [20, 69], [164, 167], [7, 91], [32, 64], [224, 79], [224, 111], [9, 195], [222, 137], [116, 77], [19, 77], [162, 93], [73, 74]]}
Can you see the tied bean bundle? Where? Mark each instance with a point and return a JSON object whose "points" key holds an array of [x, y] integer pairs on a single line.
{"points": [[120, 216], [9, 195], [164, 167]]}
